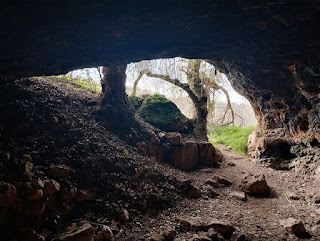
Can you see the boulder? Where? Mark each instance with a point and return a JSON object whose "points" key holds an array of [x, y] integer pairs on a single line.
{"points": [[8, 194], [51, 186], [83, 232], [58, 171], [255, 184], [294, 226], [185, 157], [164, 114]]}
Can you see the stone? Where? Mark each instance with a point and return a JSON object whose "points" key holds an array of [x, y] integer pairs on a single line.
{"points": [[157, 237], [293, 196], [5, 156], [66, 207], [316, 230], [222, 180], [174, 138], [294, 226], [170, 234], [199, 237], [231, 164], [255, 184], [58, 171], [197, 224], [189, 190], [208, 155], [68, 192], [27, 158], [124, 216], [212, 183], [27, 167], [35, 195], [239, 195], [51, 186], [214, 235], [84, 232], [105, 234], [317, 199], [85, 195], [153, 138], [210, 192], [30, 235], [8, 194], [185, 157]]}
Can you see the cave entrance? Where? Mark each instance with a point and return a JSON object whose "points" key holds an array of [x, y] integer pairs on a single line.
{"points": [[229, 116]]}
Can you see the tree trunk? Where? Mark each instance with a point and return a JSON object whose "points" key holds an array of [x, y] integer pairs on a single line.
{"points": [[115, 110], [196, 85]]}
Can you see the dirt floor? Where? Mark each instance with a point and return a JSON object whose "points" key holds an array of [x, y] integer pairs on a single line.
{"points": [[54, 124]]}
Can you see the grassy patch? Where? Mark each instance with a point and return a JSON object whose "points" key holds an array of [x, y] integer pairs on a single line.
{"points": [[234, 136]]}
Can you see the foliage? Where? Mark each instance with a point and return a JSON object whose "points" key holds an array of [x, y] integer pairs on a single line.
{"points": [[234, 136], [85, 83], [135, 102], [163, 113]]}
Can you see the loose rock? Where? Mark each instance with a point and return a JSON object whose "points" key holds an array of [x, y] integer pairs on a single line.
{"points": [[84, 195], [8, 194], [51, 186], [212, 183], [239, 195], [84, 232], [58, 171], [255, 184], [222, 180], [293, 226], [186, 157]]}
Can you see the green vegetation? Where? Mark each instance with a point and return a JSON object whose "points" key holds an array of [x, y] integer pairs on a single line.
{"points": [[163, 113], [74, 83], [234, 136], [135, 102]]}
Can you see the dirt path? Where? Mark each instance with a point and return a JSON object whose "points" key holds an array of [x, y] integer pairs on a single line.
{"points": [[257, 218]]}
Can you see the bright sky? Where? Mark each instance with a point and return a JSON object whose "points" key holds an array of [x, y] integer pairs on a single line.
{"points": [[160, 86]]}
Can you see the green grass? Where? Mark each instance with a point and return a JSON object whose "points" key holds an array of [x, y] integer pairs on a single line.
{"points": [[234, 136]]}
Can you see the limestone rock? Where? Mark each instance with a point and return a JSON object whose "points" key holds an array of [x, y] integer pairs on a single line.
{"points": [[255, 184], [293, 226], [84, 195], [239, 195], [30, 235], [186, 157], [8, 194], [84, 232], [208, 155], [58, 171], [51, 186], [197, 224]]}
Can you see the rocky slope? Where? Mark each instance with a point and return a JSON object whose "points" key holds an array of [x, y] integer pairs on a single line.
{"points": [[65, 177]]}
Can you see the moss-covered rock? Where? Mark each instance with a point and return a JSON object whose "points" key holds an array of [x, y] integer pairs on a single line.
{"points": [[164, 114], [135, 102]]}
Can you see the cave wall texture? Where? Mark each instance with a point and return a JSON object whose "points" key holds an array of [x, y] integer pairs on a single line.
{"points": [[268, 49]]}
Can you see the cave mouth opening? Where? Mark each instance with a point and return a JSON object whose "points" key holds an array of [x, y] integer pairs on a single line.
{"points": [[174, 79]]}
